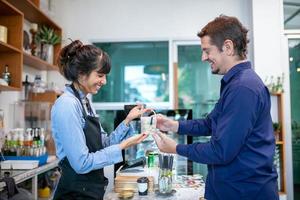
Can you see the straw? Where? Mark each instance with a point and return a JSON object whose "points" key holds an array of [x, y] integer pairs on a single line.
{"points": [[160, 160], [152, 117], [171, 162]]}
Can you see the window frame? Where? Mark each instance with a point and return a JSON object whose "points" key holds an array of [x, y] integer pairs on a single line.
{"points": [[173, 60]]}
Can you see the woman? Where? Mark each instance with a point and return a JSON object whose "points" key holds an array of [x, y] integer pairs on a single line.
{"points": [[81, 146]]}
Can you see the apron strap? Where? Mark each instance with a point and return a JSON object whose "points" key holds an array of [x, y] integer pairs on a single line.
{"points": [[78, 97], [88, 106]]}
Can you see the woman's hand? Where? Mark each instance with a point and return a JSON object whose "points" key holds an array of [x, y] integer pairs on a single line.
{"points": [[134, 140], [163, 123], [135, 112]]}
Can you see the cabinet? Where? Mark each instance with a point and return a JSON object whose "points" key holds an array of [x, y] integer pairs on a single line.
{"points": [[23, 175], [12, 15], [11, 52], [280, 142], [48, 96]]}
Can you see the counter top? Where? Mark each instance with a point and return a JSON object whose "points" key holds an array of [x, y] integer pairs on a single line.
{"points": [[22, 175], [180, 194], [186, 187]]}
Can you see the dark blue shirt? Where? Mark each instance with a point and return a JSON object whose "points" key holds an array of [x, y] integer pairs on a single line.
{"points": [[240, 152]]}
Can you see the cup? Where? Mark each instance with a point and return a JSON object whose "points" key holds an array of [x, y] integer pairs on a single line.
{"points": [[165, 178], [148, 124], [143, 183], [165, 181]]}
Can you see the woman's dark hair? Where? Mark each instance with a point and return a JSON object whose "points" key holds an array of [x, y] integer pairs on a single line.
{"points": [[78, 59], [227, 28]]}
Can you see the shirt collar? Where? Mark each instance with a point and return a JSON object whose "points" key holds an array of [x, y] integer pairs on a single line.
{"points": [[69, 89], [235, 69]]}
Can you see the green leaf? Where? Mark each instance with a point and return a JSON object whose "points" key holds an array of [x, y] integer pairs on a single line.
{"points": [[47, 35]]}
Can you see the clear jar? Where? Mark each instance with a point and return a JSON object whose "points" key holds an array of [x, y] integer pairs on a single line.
{"points": [[165, 181], [39, 86]]}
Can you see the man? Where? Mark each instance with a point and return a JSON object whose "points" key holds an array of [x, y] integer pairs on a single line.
{"points": [[240, 152]]}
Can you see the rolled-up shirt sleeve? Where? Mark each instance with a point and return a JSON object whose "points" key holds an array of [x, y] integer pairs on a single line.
{"points": [[234, 123], [121, 133]]}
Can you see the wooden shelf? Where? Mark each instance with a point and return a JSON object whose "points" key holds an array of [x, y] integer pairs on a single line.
{"points": [[35, 15], [8, 88], [38, 63], [8, 48], [32, 13], [48, 96], [12, 14], [282, 193], [12, 19], [276, 94], [10, 52], [279, 142], [8, 12]]}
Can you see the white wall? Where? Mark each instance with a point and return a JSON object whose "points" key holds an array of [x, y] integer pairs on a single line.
{"points": [[267, 32], [115, 20]]}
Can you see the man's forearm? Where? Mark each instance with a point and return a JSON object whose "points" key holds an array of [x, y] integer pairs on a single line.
{"points": [[198, 127]]}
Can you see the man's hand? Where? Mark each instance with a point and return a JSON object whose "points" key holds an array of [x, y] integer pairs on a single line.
{"points": [[135, 112], [164, 143], [165, 124], [134, 140]]}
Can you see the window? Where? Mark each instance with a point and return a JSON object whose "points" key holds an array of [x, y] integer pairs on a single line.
{"points": [[198, 88], [140, 72], [291, 14]]}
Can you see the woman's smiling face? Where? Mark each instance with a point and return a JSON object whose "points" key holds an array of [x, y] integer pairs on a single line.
{"points": [[93, 82]]}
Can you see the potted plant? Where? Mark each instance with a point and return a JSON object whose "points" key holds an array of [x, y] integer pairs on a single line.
{"points": [[277, 129], [47, 38]]}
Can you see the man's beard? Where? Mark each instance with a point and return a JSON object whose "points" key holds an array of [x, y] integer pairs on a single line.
{"points": [[215, 71]]}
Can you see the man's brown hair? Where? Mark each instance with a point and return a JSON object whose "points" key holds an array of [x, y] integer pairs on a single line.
{"points": [[227, 28]]}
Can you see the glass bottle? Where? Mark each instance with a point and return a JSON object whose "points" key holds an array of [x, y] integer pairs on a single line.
{"points": [[26, 87], [38, 85], [6, 75], [42, 137]]}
